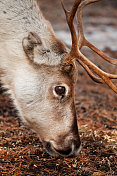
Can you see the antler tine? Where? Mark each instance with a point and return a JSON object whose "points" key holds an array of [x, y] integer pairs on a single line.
{"points": [[81, 38], [100, 53], [106, 77], [70, 17], [89, 72]]}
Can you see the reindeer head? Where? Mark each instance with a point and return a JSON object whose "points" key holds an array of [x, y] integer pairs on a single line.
{"points": [[46, 95]]}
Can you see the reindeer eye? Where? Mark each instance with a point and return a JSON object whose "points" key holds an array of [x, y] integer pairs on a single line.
{"points": [[60, 90]]}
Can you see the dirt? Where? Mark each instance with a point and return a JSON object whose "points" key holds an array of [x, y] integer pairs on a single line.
{"points": [[21, 152]]}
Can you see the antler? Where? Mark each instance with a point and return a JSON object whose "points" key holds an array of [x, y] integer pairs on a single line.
{"points": [[78, 43]]}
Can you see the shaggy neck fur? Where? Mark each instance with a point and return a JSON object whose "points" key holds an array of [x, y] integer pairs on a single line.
{"points": [[18, 18]]}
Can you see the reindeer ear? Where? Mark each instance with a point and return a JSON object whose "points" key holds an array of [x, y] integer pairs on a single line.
{"points": [[34, 48], [39, 51]]}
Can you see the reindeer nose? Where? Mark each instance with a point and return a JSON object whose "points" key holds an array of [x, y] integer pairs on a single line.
{"points": [[70, 151]]}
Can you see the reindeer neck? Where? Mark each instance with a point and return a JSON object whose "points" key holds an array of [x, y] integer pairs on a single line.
{"points": [[17, 17]]}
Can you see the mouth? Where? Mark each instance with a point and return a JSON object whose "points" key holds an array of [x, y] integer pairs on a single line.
{"points": [[68, 153]]}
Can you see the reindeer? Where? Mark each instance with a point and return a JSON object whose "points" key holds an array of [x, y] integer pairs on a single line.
{"points": [[40, 72]]}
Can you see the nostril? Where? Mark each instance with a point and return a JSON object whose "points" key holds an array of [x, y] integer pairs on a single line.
{"points": [[48, 145], [64, 152]]}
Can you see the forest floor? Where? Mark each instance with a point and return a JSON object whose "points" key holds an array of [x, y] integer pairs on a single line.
{"points": [[21, 152]]}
